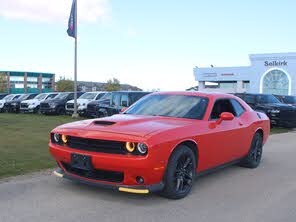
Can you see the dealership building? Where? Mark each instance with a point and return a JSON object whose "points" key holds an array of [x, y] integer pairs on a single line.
{"points": [[26, 82], [273, 73]]}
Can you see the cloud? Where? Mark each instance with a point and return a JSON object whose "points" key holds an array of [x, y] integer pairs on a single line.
{"points": [[54, 10]]}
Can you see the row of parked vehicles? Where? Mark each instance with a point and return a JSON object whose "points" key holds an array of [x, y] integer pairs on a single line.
{"points": [[280, 109], [89, 104]]}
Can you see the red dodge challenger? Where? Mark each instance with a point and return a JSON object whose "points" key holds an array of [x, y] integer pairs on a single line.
{"points": [[161, 143]]}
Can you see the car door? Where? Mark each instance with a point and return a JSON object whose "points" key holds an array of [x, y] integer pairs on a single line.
{"points": [[226, 137]]}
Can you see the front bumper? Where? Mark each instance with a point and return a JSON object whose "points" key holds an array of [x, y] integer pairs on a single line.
{"points": [[48, 110], [130, 189], [151, 168]]}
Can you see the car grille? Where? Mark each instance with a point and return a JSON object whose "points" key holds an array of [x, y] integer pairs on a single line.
{"points": [[91, 107], [70, 105], [288, 115], [94, 145], [24, 105], [103, 175], [44, 105]]}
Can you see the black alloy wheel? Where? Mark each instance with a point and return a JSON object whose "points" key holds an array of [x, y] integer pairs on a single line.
{"points": [[61, 111], [180, 173], [184, 173], [255, 154]]}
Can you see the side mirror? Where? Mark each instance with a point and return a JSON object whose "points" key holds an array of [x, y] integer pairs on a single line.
{"points": [[225, 116]]}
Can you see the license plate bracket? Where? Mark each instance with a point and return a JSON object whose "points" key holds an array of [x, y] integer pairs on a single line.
{"points": [[82, 162]]}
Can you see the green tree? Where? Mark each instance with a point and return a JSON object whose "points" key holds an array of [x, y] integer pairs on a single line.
{"points": [[112, 85], [3, 83], [65, 85]]}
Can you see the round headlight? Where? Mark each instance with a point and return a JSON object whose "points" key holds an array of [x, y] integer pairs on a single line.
{"points": [[64, 139], [142, 148], [56, 137], [130, 147]]}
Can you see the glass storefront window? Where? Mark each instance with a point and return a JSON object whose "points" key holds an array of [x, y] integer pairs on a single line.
{"points": [[276, 82]]}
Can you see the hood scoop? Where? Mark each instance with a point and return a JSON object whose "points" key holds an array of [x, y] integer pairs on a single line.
{"points": [[104, 123]]}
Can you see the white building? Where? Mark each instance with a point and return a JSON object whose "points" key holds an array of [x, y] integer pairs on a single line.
{"points": [[273, 73]]}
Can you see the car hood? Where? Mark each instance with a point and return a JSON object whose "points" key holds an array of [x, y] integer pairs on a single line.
{"points": [[54, 101], [31, 101], [80, 101], [130, 124], [280, 106]]}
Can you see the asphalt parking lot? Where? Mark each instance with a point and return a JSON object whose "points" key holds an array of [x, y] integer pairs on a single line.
{"points": [[267, 193]]}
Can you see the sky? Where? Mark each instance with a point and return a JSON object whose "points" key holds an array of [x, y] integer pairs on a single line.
{"points": [[151, 44]]}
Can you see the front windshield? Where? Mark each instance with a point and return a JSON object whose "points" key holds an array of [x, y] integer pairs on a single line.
{"points": [[179, 106], [41, 97], [24, 97], [289, 99], [267, 99], [8, 97], [62, 96], [88, 96]]}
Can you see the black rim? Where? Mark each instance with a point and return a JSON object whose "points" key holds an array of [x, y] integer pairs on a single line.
{"points": [[257, 150], [184, 173]]}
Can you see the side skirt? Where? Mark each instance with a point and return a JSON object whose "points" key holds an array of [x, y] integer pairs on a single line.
{"points": [[218, 168]]}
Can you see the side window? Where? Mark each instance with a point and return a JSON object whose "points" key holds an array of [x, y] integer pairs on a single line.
{"points": [[115, 100], [250, 99], [32, 96], [124, 101], [71, 96], [238, 108], [99, 96], [220, 106]]}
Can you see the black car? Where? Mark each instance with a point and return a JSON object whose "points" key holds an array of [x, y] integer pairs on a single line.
{"points": [[14, 105], [280, 114], [119, 101], [291, 100], [2, 95], [58, 103], [91, 110]]}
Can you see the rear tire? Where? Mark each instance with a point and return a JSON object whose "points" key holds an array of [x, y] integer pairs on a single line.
{"points": [[61, 111], [253, 159], [180, 173]]}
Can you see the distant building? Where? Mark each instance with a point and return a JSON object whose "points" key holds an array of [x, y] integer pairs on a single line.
{"points": [[26, 82], [85, 86], [273, 73]]}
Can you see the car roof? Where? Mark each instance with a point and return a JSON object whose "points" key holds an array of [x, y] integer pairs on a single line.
{"points": [[211, 95]]}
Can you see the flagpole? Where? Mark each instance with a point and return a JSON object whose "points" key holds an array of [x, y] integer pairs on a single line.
{"points": [[75, 115]]}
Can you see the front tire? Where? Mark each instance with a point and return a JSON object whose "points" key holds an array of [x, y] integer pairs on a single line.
{"points": [[180, 173], [253, 159]]}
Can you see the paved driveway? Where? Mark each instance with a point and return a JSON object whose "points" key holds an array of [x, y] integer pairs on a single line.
{"points": [[234, 194]]}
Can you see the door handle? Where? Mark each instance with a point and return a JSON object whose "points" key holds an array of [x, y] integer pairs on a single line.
{"points": [[240, 123]]}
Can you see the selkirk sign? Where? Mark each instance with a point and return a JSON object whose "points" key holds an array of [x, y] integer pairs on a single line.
{"points": [[275, 63]]}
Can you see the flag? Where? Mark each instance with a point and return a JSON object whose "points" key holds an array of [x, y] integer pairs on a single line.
{"points": [[72, 24]]}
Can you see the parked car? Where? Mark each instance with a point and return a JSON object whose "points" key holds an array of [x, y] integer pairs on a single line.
{"points": [[57, 104], [83, 101], [2, 95], [119, 101], [290, 100], [91, 110], [280, 114], [161, 143], [14, 106], [6, 99], [33, 105]]}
